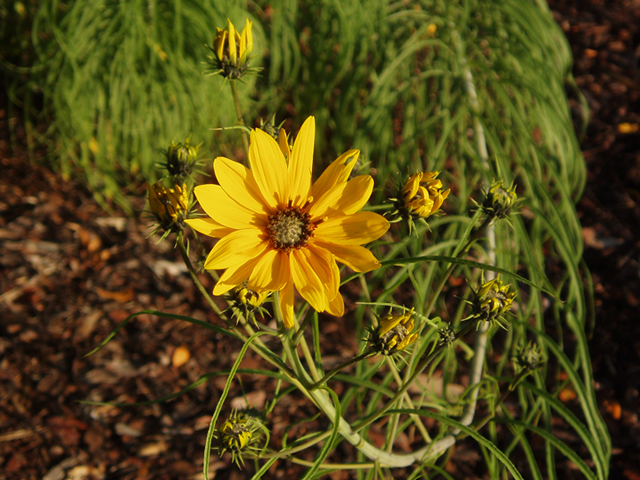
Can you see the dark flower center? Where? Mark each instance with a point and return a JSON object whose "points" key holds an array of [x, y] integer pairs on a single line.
{"points": [[289, 228]]}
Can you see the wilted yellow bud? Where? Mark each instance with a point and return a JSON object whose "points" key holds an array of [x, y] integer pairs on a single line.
{"points": [[169, 205], [232, 49], [394, 333]]}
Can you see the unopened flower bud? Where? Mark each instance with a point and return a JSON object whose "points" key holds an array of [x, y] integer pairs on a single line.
{"points": [[232, 49], [420, 197], [182, 159], [239, 435], [394, 333], [499, 200], [447, 335], [246, 302], [491, 301], [529, 357], [169, 205]]}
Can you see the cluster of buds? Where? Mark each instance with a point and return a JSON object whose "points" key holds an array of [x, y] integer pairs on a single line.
{"points": [[232, 50], [420, 197], [181, 160], [393, 334], [244, 301], [499, 200], [492, 301], [239, 435], [169, 205]]}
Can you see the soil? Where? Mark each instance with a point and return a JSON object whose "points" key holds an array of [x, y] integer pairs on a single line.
{"points": [[69, 273]]}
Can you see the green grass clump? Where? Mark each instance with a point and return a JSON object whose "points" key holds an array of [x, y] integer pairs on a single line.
{"points": [[124, 78]]}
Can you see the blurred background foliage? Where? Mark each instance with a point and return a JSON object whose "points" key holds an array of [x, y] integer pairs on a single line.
{"points": [[474, 88]]}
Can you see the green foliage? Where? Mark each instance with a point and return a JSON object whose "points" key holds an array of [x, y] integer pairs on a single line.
{"points": [[124, 78], [479, 97]]}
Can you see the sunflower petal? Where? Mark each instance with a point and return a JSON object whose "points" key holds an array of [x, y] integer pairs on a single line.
{"points": [[301, 162], [307, 281], [283, 143], [356, 229], [235, 248], [324, 264], [353, 256], [335, 173], [336, 306], [238, 182], [286, 304], [224, 210], [233, 55], [271, 273], [343, 198], [269, 169], [208, 226], [234, 276]]}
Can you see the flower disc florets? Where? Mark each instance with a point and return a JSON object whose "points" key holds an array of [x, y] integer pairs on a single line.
{"points": [[289, 228], [393, 334]]}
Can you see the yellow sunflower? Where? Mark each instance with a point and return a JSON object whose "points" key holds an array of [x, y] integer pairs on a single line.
{"points": [[277, 230]]}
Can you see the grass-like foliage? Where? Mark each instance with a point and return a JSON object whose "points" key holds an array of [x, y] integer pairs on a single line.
{"points": [[474, 89], [125, 77]]}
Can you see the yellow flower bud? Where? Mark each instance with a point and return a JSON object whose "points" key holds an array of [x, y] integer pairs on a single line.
{"points": [[169, 205], [394, 333], [499, 200], [247, 303], [492, 300], [422, 194], [239, 435], [232, 49]]}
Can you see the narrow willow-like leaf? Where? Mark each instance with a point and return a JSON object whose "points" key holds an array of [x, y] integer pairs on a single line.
{"points": [[172, 316], [221, 400], [327, 448]]}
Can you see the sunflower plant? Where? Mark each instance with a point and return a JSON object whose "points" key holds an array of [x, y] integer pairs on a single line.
{"points": [[283, 246]]}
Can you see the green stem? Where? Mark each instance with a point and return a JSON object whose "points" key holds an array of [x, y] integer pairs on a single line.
{"points": [[403, 388], [436, 292], [477, 427], [322, 400], [236, 102], [337, 369], [258, 346]]}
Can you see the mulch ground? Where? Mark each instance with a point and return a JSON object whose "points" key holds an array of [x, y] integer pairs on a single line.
{"points": [[69, 273]]}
